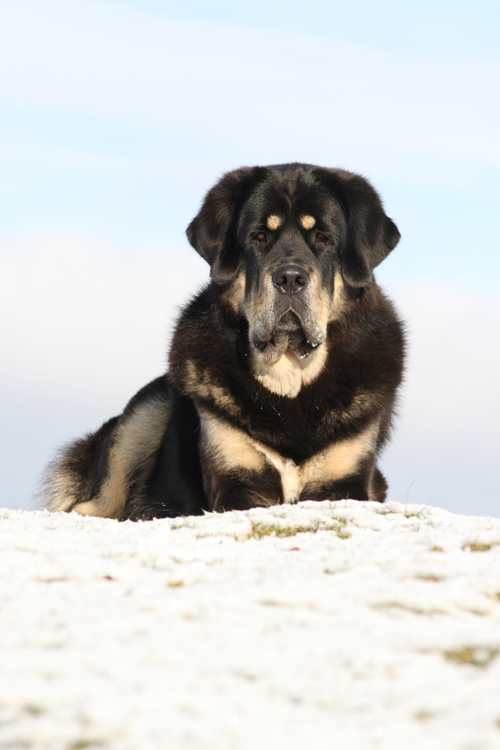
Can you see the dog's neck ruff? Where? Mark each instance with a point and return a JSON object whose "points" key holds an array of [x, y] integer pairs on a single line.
{"points": [[288, 374]]}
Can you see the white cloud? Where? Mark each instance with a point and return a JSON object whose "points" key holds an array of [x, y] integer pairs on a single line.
{"points": [[83, 316], [87, 161], [236, 85], [448, 433]]}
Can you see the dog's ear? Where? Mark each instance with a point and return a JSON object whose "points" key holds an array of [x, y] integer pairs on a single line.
{"points": [[371, 235], [212, 232]]}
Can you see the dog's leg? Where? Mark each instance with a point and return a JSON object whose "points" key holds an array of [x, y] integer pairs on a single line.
{"points": [[345, 470], [236, 473]]}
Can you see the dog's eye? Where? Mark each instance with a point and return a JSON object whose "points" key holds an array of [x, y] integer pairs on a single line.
{"points": [[261, 237], [320, 238]]}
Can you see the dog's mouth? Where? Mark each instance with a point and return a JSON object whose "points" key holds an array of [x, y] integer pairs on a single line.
{"points": [[293, 331]]}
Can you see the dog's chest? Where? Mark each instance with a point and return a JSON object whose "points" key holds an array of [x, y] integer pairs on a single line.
{"points": [[228, 449]]}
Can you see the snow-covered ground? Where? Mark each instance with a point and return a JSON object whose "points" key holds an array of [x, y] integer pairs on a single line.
{"points": [[321, 625]]}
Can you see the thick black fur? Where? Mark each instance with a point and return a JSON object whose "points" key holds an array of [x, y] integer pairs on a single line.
{"points": [[218, 348]]}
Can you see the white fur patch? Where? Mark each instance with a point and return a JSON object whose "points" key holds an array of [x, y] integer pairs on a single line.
{"points": [[307, 221], [273, 222], [287, 376]]}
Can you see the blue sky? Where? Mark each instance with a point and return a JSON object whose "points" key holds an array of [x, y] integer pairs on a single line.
{"points": [[116, 117]]}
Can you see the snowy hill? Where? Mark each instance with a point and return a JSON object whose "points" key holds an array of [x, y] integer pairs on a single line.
{"points": [[321, 625]]}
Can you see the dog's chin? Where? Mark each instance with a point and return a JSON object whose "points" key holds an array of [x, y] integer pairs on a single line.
{"points": [[290, 334]]}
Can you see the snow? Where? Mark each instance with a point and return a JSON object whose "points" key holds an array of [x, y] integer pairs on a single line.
{"points": [[320, 625]]}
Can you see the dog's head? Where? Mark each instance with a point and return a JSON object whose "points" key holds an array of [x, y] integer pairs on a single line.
{"points": [[287, 241]]}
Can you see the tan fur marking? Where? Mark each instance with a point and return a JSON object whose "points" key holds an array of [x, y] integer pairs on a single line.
{"points": [[307, 221], [229, 447], [273, 222], [330, 308], [134, 450], [232, 448], [338, 304], [323, 302], [313, 365], [362, 404], [199, 385], [340, 459], [93, 508], [235, 294]]}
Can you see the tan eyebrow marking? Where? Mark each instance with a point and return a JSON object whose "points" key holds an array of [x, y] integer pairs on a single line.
{"points": [[307, 221], [273, 221]]}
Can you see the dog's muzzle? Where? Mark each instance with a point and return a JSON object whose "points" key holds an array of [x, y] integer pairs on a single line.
{"points": [[289, 321]]}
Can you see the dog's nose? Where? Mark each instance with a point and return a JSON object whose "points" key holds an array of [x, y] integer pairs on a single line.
{"points": [[290, 279]]}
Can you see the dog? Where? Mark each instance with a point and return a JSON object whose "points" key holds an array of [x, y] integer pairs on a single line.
{"points": [[283, 371]]}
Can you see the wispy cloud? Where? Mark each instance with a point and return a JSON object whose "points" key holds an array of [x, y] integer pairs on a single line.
{"points": [[181, 77], [90, 161], [76, 306]]}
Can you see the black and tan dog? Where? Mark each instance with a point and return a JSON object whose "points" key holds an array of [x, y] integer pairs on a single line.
{"points": [[283, 371]]}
